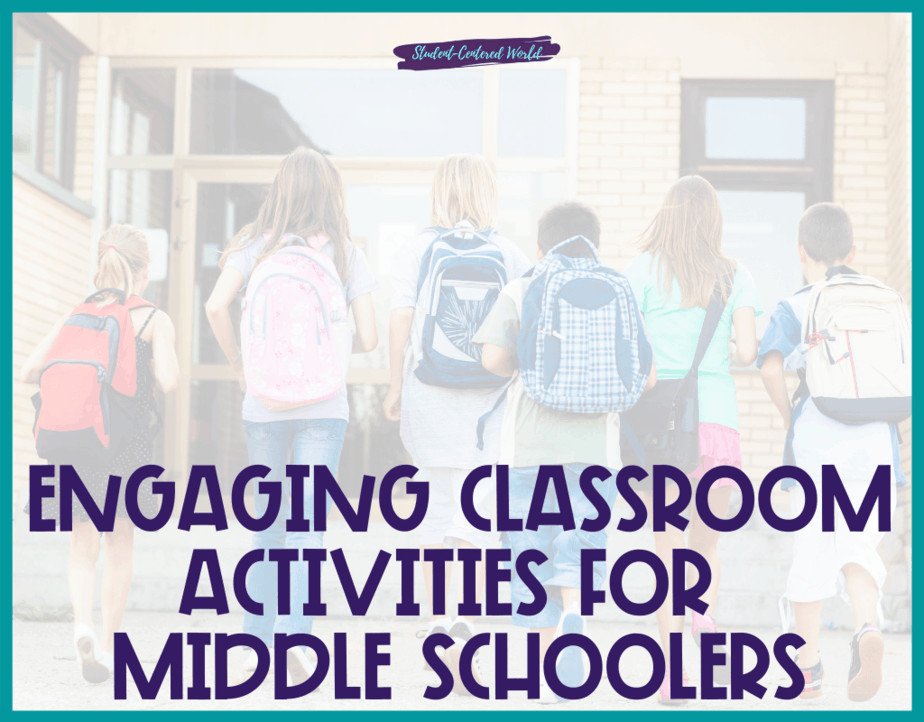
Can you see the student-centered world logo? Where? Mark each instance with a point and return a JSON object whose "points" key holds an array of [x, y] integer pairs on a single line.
{"points": [[469, 53]]}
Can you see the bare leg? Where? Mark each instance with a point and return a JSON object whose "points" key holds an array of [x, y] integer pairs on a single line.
{"points": [[428, 582], [665, 542], [704, 539], [863, 594], [808, 626], [117, 578], [82, 570], [570, 598]]}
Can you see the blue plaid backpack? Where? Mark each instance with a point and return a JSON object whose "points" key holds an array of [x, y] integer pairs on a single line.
{"points": [[581, 346], [461, 275]]}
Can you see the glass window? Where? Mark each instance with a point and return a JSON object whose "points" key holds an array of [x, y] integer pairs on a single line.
{"points": [[340, 111], [142, 198], [767, 147], [216, 435], [531, 112], [524, 197], [43, 104], [141, 118], [222, 209], [760, 230], [25, 93], [755, 128]]}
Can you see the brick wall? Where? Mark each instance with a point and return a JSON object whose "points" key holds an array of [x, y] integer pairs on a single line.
{"points": [[628, 155], [51, 263]]}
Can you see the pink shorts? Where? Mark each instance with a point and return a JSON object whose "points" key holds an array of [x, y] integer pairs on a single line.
{"points": [[718, 446]]}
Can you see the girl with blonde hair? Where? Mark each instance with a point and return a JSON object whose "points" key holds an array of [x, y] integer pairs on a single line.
{"points": [[304, 207], [435, 392], [681, 266], [121, 277]]}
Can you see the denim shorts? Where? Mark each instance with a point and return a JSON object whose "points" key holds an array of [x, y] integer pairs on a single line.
{"points": [[561, 547]]}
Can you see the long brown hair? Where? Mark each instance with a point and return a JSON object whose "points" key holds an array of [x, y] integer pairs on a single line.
{"points": [[121, 257], [305, 199], [685, 239]]}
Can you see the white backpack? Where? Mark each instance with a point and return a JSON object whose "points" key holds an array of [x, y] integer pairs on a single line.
{"points": [[857, 350]]}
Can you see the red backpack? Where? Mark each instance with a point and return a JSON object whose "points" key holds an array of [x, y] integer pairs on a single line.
{"points": [[92, 358]]}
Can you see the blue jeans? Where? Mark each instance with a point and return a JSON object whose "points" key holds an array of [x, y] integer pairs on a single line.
{"points": [[561, 546], [274, 444]]}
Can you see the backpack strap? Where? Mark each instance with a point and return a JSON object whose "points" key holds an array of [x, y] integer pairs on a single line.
{"points": [[483, 419], [146, 321], [440, 233], [713, 315], [103, 292], [575, 239]]}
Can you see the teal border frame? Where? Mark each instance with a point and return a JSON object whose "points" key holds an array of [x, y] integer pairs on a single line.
{"points": [[454, 6]]}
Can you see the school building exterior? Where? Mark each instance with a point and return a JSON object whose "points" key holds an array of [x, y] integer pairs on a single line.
{"points": [[175, 123]]}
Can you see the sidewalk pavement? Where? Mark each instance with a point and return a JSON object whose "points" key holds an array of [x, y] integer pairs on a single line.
{"points": [[45, 674]]}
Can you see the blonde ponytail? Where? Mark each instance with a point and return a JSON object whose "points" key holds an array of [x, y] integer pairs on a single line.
{"points": [[122, 255]]}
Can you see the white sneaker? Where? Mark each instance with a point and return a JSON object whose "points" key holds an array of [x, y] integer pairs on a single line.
{"points": [[298, 665], [245, 667], [92, 664]]}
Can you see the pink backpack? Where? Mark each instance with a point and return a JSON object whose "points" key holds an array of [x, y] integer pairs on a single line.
{"points": [[295, 331]]}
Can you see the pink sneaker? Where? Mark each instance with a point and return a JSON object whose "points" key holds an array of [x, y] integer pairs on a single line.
{"points": [[702, 623]]}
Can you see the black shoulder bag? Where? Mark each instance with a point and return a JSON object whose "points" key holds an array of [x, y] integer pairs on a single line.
{"points": [[663, 426]]}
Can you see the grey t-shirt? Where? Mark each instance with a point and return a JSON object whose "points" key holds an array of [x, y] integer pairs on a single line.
{"points": [[360, 281]]}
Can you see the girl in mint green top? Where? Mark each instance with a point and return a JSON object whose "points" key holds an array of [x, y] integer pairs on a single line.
{"points": [[673, 330], [673, 280]]}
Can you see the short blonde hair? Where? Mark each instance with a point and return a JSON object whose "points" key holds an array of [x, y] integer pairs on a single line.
{"points": [[464, 189]]}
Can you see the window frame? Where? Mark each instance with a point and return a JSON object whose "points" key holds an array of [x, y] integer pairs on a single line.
{"points": [[812, 175], [58, 49]]}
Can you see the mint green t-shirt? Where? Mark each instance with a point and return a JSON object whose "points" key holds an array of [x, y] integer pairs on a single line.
{"points": [[673, 331]]}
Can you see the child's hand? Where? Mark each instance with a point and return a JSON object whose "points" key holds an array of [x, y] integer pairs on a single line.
{"points": [[392, 403], [237, 367]]}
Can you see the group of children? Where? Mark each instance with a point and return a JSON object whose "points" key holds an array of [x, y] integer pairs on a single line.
{"points": [[499, 359]]}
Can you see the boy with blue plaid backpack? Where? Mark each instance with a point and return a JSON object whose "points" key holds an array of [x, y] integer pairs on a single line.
{"points": [[570, 335]]}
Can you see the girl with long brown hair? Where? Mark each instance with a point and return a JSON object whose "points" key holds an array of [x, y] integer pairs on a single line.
{"points": [[681, 266], [303, 209]]}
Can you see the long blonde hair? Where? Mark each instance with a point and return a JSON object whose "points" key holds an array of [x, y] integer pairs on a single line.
{"points": [[464, 189], [305, 199], [685, 239], [121, 257]]}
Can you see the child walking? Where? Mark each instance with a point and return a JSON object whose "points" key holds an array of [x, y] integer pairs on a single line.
{"points": [[814, 438], [129, 428], [445, 280], [681, 269], [561, 410], [302, 276]]}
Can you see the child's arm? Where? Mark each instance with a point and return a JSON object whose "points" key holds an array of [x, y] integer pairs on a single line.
{"points": [[163, 346], [771, 373], [745, 327], [498, 360], [399, 331], [367, 335], [218, 312], [32, 368]]}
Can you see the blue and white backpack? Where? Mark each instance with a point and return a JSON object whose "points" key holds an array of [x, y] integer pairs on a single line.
{"points": [[461, 275], [581, 346]]}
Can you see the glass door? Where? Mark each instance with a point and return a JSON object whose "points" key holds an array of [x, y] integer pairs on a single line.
{"points": [[384, 209]]}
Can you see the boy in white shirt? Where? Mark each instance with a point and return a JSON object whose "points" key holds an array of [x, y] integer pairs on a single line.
{"points": [[819, 558]]}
